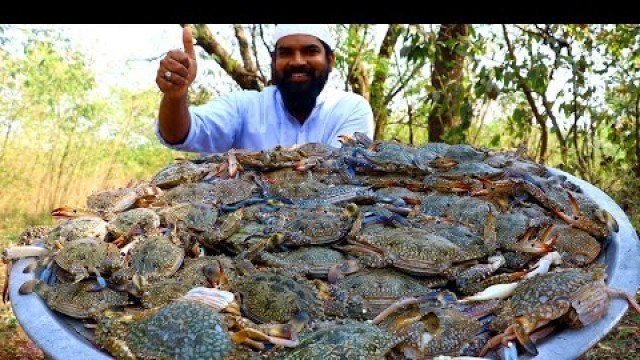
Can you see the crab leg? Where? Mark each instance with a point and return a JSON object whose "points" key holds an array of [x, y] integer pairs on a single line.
{"points": [[632, 302], [397, 306]]}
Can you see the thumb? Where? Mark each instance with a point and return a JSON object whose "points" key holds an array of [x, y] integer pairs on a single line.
{"points": [[187, 40]]}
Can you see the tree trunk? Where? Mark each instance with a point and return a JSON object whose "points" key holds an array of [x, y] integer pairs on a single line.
{"points": [[380, 75], [247, 79], [446, 79]]}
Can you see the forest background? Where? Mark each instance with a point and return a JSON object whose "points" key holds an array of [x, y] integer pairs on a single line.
{"points": [[568, 94]]}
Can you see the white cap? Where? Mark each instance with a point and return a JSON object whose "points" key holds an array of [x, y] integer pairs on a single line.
{"points": [[321, 31]]}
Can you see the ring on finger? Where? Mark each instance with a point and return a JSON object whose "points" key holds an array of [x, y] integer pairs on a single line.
{"points": [[167, 75]]}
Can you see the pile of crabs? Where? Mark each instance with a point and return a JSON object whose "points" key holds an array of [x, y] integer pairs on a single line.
{"points": [[373, 250]]}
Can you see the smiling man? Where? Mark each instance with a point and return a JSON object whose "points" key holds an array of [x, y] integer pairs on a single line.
{"points": [[296, 109]]}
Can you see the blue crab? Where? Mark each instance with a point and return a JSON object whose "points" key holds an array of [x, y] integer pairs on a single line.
{"points": [[191, 327], [577, 296]]}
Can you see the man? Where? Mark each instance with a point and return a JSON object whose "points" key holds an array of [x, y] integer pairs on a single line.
{"points": [[297, 109]]}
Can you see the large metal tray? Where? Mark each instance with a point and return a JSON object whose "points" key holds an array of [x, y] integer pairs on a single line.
{"points": [[61, 337]]}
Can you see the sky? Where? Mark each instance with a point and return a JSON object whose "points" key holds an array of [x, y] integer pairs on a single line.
{"points": [[122, 53], [128, 54]]}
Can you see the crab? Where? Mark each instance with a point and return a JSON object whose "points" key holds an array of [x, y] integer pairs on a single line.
{"points": [[131, 221], [184, 193], [153, 257], [181, 172], [106, 202], [363, 295], [191, 327], [471, 169], [460, 153], [563, 200], [80, 258], [514, 230], [583, 213], [312, 261], [428, 153], [249, 235], [577, 296], [346, 339], [272, 295], [412, 250], [120, 226], [430, 329], [204, 271], [74, 227], [77, 300], [212, 236], [33, 234], [275, 158], [384, 156], [290, 184], [231, 191], [576, 247], [319, 226], [201, 221]]}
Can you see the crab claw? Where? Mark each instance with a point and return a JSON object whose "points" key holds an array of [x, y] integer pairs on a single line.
{"points": [[137, 285], [215, 275], [256, 339], [580, 221], [526, 245], [346, 139], [102, 283], [497, 291], [520, 330], [338, 271], [66, 212], [543, 265], [29, 286]]}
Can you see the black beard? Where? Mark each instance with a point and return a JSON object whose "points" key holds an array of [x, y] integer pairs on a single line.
{"points": [[300, 98]]}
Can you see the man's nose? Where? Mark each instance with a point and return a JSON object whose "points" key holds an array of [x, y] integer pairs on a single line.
{"points": [[298, 58]]}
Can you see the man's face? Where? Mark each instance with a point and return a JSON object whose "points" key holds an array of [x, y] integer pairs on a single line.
{"points": [[300, 70]]}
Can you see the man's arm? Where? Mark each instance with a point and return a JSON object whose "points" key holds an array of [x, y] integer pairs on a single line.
{"points": [[174, 120], [175, 74]]}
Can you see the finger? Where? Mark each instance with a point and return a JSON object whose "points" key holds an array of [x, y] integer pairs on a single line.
{"points": [[187, 40]]}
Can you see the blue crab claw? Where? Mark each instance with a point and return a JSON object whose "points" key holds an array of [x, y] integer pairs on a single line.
{"points": [[54, 276], [396, 201], [45, 275], [243, 203], [102, 283]]}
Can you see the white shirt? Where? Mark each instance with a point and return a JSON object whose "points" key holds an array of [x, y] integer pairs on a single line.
{"points": [[255, 120]]}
